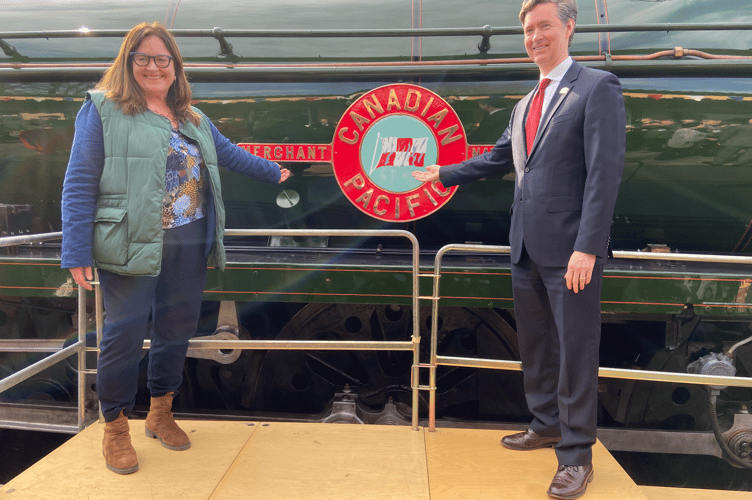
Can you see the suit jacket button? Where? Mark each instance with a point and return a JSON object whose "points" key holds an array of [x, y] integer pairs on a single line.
{"points": [[527, 169]]}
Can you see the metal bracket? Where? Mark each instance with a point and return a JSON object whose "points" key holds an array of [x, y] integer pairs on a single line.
{"points": [[485, 44], [680, 327], [9, 50], [225, 47]]}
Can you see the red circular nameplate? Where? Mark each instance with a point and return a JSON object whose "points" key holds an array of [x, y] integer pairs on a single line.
{"points": [[384, 136]]}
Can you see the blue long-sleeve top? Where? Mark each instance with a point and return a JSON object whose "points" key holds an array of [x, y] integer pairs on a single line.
{"points": [[81, 184]]}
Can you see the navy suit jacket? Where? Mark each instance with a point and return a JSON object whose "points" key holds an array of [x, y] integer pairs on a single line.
{"points": [[565, 191]]}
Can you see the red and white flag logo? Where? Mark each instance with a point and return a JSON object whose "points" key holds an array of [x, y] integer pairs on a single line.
{"points": [[399, 152]]}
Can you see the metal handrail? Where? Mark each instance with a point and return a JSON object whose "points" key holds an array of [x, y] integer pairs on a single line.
{"points": [[291, 345], [645, 375], [486, 30], [685, 257], [31, 345], [412, 345], [80, 346], [12, 241], [60, 352]]}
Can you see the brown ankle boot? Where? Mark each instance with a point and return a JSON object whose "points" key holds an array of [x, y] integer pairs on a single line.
{"points": [[160, 424], [117, 448]]}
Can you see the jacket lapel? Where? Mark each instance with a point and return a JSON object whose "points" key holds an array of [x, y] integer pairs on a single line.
{"points": [[519, 151], [562, 92]]}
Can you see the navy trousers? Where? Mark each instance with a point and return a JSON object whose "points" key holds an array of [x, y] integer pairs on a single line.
{"points": [[559, 335], [165, 308]]}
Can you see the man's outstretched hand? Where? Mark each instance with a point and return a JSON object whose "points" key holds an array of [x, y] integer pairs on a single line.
{"points": [[431, 174]]}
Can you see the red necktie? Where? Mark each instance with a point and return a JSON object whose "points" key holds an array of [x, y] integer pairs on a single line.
{"points": [[534, 115]]}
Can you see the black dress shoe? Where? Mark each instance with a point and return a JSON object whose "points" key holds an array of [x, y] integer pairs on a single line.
{"points": [[570, 481], [528, 440]]}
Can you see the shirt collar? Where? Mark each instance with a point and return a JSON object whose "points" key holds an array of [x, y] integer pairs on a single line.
{"points": [[559, 71]]}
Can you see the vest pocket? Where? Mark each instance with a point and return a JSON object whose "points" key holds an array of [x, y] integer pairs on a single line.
{"points": [[111, 236]]}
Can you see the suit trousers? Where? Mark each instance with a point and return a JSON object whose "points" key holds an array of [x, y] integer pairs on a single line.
{"points": [[165, 308], [559, 336]]}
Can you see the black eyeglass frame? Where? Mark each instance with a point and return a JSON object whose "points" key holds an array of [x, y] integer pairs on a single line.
{"points": [[134, 54]]}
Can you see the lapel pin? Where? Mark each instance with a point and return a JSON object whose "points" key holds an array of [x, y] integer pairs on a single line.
{"points": [[564, 90]]}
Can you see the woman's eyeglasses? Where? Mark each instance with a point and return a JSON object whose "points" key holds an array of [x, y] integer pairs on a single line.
{"points": [[141, 59]]}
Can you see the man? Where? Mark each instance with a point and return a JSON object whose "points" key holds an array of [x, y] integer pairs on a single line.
{"points": [[568, 166]]}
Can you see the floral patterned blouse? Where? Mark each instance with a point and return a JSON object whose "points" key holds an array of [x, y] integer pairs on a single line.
{"points": [[185, 183]]}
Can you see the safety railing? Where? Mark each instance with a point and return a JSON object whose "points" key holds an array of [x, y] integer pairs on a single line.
{"points": [[60, 352], [331, 345], [228, 65], [80, 346], [645, 375], [486, 32]]}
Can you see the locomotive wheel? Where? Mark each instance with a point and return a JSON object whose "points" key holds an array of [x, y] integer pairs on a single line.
{"points": [[677, 407], [305, 382]]}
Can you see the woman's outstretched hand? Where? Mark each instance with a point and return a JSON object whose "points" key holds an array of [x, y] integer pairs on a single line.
{"points": [[285, 174]]}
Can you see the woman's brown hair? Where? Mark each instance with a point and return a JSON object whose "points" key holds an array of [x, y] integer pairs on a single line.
{"points": [[120, 85]]}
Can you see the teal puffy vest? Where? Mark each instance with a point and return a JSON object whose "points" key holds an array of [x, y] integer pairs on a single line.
{"points": [[128, 220]]}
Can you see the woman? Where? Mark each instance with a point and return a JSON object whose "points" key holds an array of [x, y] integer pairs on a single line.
{"points": [[142, 203]]}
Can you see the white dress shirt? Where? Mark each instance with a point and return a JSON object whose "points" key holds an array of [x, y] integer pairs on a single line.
{"points": [[555, 76]]}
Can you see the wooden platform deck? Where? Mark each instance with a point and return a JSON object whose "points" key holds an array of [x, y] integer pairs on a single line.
{"points": [[237, 460]]}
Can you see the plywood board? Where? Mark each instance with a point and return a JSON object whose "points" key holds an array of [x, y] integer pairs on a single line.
{"points": [[279, 461], [471, 464], [325, 461], [77, 469]]}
